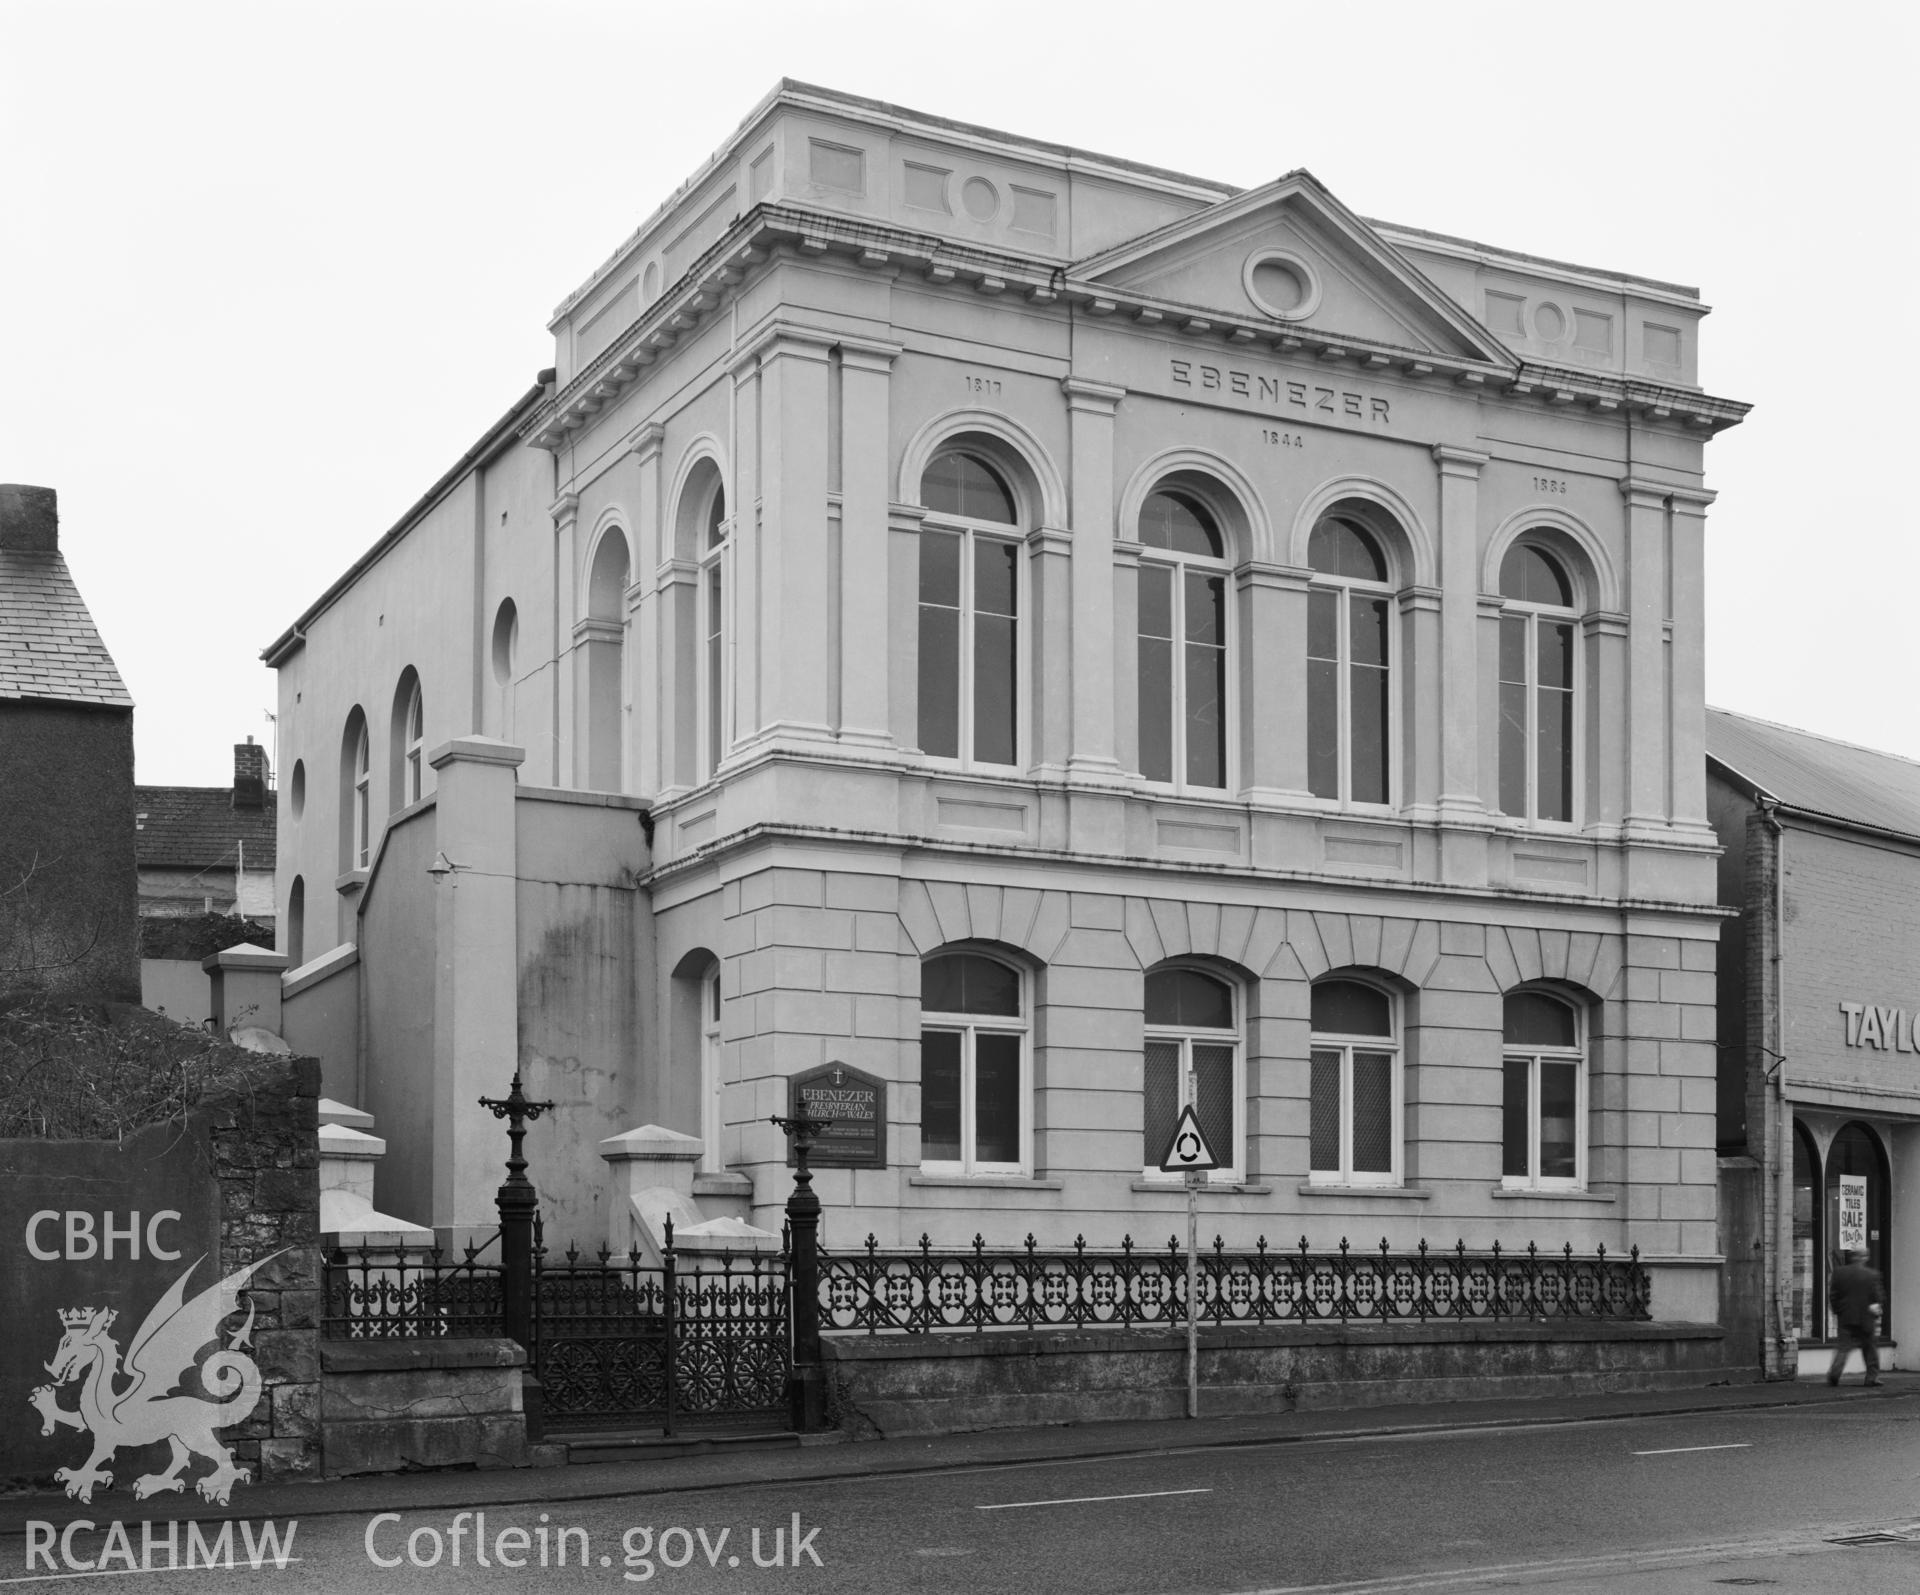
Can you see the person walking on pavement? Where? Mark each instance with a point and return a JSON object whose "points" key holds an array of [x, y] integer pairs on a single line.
{"points": [[1855, 1295]]}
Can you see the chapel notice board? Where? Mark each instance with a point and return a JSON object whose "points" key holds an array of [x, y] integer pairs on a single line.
{"points": [[856, 1102]]}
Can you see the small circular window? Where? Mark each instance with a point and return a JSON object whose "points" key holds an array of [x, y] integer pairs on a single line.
{"points": [[297, 788], [1282, 284], [980, 198]]}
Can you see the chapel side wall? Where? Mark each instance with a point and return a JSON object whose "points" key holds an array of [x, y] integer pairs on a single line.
{"points": [[584, 949], [411, 607], [517, 564], [320, 1018], [397, 941]]}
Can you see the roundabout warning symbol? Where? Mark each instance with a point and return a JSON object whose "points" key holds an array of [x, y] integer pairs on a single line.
{"points": [[1188, 1152]]}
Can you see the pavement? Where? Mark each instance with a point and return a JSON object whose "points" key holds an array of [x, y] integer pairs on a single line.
{"points": [[828, 1457]]}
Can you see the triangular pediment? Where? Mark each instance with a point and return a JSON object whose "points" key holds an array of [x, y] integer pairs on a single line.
{"points": [[1291, 254]]}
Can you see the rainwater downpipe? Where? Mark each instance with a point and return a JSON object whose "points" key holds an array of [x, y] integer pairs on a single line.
{"points": [[1783, 1147]]}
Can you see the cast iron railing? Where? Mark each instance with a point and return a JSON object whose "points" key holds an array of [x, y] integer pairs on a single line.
{"points": [[396, 1293], [617, 1341], [915, 1292]]}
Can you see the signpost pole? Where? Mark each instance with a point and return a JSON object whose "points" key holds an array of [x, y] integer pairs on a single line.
{"points": [[1194, 1177]]}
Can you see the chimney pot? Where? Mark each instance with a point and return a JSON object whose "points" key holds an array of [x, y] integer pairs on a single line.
{"points": [[29, 518]]}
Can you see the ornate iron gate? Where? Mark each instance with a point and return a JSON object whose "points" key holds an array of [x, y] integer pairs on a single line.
{"points": [[620, 1343]]}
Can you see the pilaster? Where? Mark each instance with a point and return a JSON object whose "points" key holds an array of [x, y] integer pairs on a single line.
{"points": [[864, 415], [565, 513], [1050, 642], [792, 623], [475, 1004], [1420, 744], [1688, 656], [1262, 596], [1649, 717], [648, 714], [1458, 712], [1604, 635], [1091, 407]]}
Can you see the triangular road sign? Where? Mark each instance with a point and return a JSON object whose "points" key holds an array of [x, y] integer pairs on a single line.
{"points": [[1188, 1152]]}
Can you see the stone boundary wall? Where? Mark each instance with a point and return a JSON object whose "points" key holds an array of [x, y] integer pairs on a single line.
{"points": [[265, 1149], [389, 1406], [887, 1386]]}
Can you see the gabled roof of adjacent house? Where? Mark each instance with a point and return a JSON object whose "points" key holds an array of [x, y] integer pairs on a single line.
{"points": [[1817, 775], [49, 648], [197, 827]]}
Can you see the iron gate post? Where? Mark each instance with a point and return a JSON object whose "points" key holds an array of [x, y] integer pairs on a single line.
{"points": [[806, 1388], [518, 1203]]}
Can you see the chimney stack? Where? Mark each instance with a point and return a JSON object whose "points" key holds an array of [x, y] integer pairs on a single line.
{"points": [[29, 518], [249, 775]]}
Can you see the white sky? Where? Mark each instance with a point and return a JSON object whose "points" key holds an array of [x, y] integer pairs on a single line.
{"points": [[267, 269]]}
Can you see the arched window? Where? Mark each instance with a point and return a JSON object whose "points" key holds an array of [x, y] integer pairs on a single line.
{"points": [[712, 1119], [294, 941], [1193, 1058], [1349, 665], [713, 628], [1808, 1310], [361, 819], [1543, 1097], [1538, 666], [413, 752], [1356, 1107], [603, 636], [974, 1113], [969, 691], [1182, 643]]}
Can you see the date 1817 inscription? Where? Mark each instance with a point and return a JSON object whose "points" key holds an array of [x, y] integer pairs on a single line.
{"points": [[1282, 393]]}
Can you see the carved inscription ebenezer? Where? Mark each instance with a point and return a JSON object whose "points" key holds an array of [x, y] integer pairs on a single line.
{"points": [[1282, 393]]}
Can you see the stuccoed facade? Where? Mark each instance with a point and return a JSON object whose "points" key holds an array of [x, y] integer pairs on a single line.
{"points": [[932, 542]]}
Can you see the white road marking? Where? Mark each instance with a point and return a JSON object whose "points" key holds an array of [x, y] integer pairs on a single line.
{"points": [[1682, 1450], [1082, 1500]]}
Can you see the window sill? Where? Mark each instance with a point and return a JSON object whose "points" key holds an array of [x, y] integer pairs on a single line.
{"points": [[1174, 1187], [352, 881], [1513, 1193], [1413, 1193], [1008, 1182], [728, 1184]]}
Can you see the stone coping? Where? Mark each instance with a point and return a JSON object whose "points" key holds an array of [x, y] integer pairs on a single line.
{"points": [[857, 1346], [400, 1356]]}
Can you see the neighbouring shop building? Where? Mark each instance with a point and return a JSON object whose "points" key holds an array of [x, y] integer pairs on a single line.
{"points": [[1819, 991], [1055, 640]]}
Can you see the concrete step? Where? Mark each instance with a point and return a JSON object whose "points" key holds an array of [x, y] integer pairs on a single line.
{"points": [[653, 1446]]}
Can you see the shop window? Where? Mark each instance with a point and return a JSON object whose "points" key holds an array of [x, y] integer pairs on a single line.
{"points": [[1350, 647], [1808, 1310], [1539, 666], [1856, 1201], [1182, 646], [1193, 1058], [969, 675], [1543, 1099], [1356, 1107], [974, 1113]]}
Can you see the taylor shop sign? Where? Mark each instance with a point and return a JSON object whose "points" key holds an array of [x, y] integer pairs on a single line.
{"points": [[126, 1350], [1886, 1029]]}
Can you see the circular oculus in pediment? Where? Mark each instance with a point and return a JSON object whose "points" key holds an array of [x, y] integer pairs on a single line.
{"points": [[1549, 323], [1281, 284], [980, 199]]}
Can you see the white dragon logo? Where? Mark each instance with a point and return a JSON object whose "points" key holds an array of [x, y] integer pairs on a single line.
{"points": [[160, 1355]]}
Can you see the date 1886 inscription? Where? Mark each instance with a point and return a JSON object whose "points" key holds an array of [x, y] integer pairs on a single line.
{"points": [[1284, 394]]}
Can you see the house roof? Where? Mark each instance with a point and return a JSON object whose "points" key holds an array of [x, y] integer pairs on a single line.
{"points": [[1816, 774], [197, 827], [49, 649]]}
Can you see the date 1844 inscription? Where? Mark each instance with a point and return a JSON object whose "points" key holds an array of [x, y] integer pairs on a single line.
{"points": [[857, 1104], [1285, 394]]}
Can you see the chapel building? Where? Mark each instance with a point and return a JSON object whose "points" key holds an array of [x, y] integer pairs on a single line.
{"points": [[1046, 641]]}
